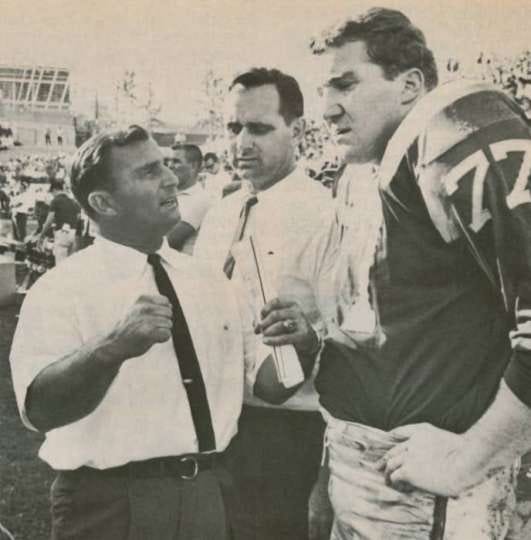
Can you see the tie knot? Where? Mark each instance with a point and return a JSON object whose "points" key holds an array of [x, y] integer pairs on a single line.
{"points": [[153, 259], [251, 201]]}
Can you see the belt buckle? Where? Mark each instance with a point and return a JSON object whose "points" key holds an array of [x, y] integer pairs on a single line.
{"points": [[195, 472]]}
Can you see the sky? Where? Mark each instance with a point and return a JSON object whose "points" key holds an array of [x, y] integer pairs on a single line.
{"points": [[173, 42]]}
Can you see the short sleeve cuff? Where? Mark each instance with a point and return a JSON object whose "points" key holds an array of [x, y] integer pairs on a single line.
{"points": [[23, 413]]}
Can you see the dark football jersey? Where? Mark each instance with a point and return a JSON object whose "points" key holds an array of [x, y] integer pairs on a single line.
{"points": [[452, 266]]}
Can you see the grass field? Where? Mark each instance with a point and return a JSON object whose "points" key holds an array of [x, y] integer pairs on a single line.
{"points": [[25, 480]]}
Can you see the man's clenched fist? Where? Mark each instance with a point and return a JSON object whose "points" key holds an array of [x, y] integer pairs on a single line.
{"points": [[148, 321]]}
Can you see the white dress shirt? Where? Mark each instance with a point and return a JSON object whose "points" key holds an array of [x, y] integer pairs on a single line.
{"points": [[283, 222], [194, 203], [145, 412]]}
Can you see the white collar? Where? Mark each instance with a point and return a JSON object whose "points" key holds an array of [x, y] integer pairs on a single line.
{"points": [[417, 120], [125, 261], [289, 183]]}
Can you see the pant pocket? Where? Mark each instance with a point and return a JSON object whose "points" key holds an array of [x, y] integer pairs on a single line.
{"points": [[89, 507]]}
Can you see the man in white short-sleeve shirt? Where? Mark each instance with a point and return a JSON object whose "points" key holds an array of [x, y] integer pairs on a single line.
{"points": [[130, 357], [193, 200]]}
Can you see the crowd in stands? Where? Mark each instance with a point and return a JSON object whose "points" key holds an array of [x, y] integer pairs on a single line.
{"points": [[513, 76], [320, 154], [40, 218]]}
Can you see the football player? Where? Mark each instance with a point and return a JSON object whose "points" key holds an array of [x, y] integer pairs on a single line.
{"points": [[426, 387]]}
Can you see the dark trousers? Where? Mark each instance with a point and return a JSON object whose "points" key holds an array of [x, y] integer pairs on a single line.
{"points": [[274, 461], [91, 505]]}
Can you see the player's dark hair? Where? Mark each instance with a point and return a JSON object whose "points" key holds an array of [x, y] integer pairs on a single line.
{"points": [[392, 40], [290, 95], [89, 169]]}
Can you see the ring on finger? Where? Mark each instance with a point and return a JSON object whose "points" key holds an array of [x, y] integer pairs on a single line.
{"points": [[289, 325]]}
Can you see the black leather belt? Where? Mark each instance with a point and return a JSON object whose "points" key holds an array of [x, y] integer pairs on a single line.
{"points": [[186, 467]]}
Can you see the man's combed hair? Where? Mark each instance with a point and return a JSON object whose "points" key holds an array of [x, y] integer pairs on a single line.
{"points": [[291, 99], [392, 40], [89, 171]]}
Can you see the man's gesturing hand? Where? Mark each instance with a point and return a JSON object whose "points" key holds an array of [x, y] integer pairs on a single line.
{"points": [[148, 321], [284, 323]]}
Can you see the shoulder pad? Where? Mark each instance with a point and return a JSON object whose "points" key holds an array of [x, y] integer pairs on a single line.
{"points": [[442, 119]]}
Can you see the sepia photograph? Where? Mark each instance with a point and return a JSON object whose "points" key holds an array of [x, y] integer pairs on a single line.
{"points": [[265, 270]]}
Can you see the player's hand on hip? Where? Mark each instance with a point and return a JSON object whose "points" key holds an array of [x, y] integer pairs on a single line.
{"points": [[148, 321], [284, 323], [429, 459]]}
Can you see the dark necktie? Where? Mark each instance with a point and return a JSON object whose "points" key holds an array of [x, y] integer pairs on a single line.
{"points": [[187, 359], [230, 263]]}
